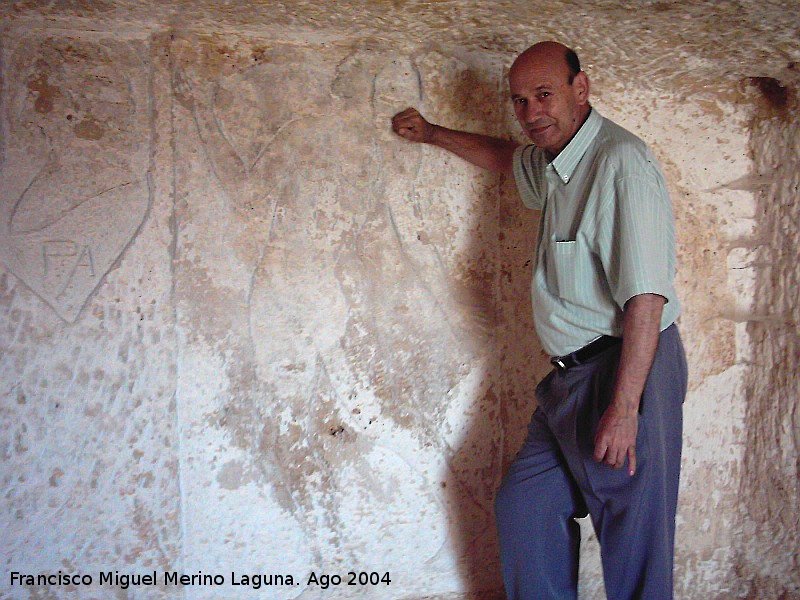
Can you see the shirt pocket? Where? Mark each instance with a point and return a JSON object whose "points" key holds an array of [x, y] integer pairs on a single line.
{"points": [[565, 269]]}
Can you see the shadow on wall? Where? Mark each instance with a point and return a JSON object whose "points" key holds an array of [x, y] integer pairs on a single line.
{"points": [[769, 486], [497, 269]]}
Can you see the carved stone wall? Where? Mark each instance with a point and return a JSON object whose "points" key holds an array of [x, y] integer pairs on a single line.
{"points": [[246, 332], [770, 475], [89, 449]]}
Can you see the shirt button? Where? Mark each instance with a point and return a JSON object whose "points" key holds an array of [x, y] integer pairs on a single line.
{"points": [[566, 179]]}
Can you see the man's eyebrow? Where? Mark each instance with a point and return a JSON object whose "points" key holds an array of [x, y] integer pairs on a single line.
{"points": [[538, 88]]}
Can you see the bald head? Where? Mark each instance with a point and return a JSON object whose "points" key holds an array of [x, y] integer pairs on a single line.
{"points": [[550, 53], [550, 94]]}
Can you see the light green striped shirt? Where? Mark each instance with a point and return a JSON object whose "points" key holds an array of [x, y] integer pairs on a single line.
{"points": [[606, 234]]}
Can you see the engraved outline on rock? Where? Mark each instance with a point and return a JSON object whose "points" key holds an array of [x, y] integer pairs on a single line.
{"points": [[18, 248]]}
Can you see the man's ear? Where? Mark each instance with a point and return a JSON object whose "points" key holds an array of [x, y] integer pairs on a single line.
{"points": [[581, 86]]}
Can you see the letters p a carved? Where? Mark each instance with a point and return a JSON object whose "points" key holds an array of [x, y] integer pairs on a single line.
{"points": [[74, 189]]}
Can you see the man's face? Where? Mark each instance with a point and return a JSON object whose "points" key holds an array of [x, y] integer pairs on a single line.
{"points": [[549, 108]]}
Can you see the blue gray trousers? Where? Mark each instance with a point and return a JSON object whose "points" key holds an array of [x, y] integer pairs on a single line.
{"points": [[554, 479]]}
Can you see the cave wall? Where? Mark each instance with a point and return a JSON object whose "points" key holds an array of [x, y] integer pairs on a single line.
{"points": [[247, 331]]}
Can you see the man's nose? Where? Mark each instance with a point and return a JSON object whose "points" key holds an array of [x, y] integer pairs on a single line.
{"points": [[533, 110]]}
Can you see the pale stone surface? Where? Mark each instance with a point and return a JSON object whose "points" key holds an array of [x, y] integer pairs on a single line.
{"points": [[245, 329], [89, 444], [75, 188]]}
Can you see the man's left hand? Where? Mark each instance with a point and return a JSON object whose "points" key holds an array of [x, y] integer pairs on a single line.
{"points": [[615, 439]]}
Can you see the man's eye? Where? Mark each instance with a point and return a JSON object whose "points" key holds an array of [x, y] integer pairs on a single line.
{"points": [[544, 94], [519, 100]]}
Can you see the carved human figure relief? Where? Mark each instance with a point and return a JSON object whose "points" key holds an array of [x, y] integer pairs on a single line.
{"points": [[303, 154], [74, 186]]}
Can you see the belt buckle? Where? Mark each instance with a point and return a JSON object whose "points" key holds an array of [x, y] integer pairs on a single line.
{"points": [[558, 362]]}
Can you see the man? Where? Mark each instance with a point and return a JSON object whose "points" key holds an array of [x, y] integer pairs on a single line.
{"points": [[604, 307]]}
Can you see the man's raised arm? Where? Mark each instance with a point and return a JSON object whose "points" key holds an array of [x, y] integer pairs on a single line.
{"points": [[491, 153]]}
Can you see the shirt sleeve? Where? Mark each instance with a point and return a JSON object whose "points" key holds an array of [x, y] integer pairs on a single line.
{"points": [[639, 245], [530, 179]]}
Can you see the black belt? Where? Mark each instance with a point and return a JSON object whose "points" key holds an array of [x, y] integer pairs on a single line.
{"points": [[588, 352]]}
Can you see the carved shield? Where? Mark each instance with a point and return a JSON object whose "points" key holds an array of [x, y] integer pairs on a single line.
{"points": [[74, 186]]}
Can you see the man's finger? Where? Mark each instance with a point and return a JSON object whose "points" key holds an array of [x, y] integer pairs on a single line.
{"points": [[600, 448], [406, 115], [613, 458], [631, 460], [404, 124], [401, 128]]}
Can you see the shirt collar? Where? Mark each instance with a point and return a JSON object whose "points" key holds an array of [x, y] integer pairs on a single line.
{"points": [[567, 160]]}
